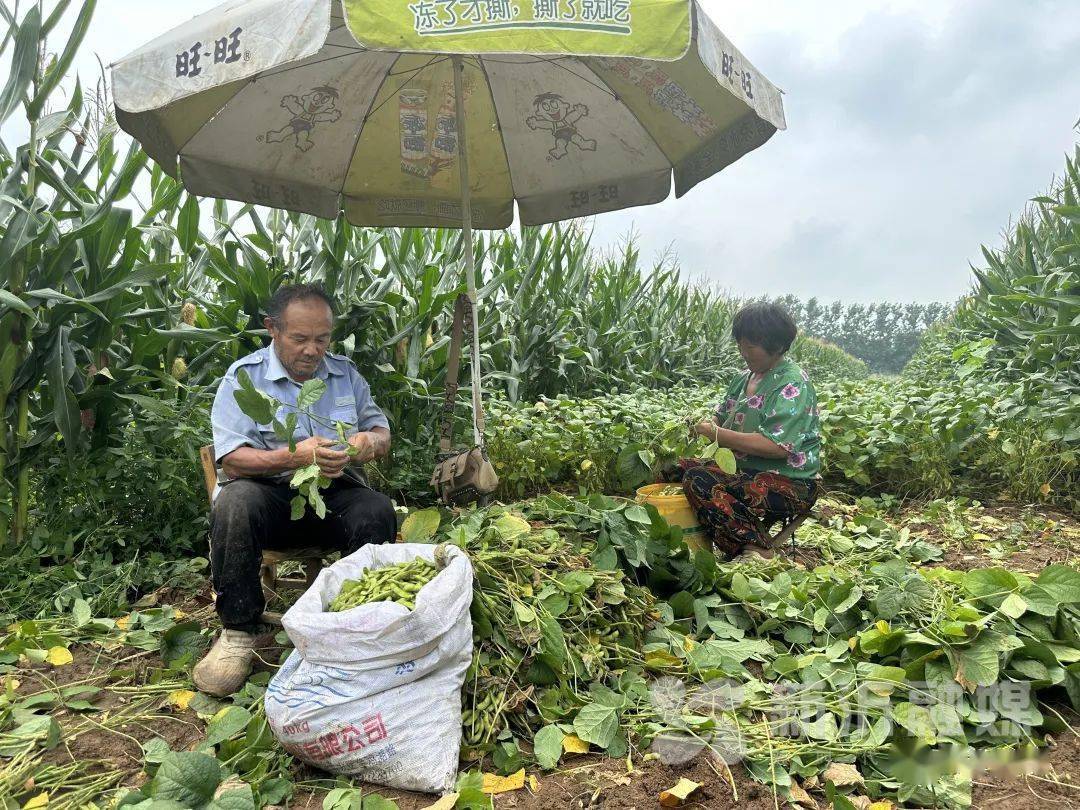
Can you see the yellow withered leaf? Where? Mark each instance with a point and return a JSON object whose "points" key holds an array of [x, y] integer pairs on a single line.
{"points": [[123, 622], [573, 744], [1045, 490], [675, 796], [447, 802], [59, 656], [493, 783], [884, 804], [841, 774], [41, 800], [181, 698], [534, 784], [801, 797]]}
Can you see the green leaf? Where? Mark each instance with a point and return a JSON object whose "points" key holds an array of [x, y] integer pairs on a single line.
{"points": [[298, 506], [421, 526], [343, 799], [181, 644], [575, 582], [14, 302], [39, 730], [316, 501], [510, 526], [630, 469], [305, 475], [636, 513], [226, 724], [1061, 582], [237, 798], [682, 604], [916, 719], [989, 582], [252, 402], [976, 664], [310, 393], [470, 791], [373, 801], [596, 724], [1013, 606], [824, 728], [523, 613], [547, 747], [81, 612], [552, 644], [725, 460], [947, 721], [24, 63], [1039, 600], [60, 370], [1072, 685], [187, 777], [59, 70], [187, 224]]}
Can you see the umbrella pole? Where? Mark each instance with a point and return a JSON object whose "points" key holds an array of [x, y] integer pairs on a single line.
{"points": [[467, 246]]}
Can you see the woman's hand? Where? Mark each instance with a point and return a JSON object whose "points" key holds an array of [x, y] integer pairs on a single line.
{"points": [[707, 428]]}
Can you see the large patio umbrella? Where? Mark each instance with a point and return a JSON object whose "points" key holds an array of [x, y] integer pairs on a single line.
{"points": [[572, 108]]}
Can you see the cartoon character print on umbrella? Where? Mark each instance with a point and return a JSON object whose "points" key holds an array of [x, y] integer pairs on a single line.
{"points": [[558, 116], [314, 107]]}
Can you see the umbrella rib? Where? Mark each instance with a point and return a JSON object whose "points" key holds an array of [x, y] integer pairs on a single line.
{"points": [[258, 77], [412, 75], [498, 123], [603, 87], [644, 128], [373, 109], [557, 62], [297, 65]]}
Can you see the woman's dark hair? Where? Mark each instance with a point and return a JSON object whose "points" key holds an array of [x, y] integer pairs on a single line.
{"points": [[766, 325], [285, 295]]}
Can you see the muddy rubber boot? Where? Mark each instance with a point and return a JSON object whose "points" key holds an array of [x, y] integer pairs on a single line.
{"points": [[226, 667]]}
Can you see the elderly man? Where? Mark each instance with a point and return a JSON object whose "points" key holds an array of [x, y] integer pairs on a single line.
{"points": [[251, 511]]}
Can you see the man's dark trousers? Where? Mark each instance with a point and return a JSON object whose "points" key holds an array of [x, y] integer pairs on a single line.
{"points": [[253, 514]]}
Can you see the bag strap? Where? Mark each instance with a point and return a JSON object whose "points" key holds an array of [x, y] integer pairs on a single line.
{"points": [[461, 331]]}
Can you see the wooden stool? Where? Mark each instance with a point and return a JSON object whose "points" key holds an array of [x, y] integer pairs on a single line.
{"points": [[787, 532], [310, 559]]}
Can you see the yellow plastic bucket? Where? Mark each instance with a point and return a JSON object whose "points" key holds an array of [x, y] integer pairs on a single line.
{"points": [[677, 511]]}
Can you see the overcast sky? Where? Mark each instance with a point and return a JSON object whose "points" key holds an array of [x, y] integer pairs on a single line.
{"points": [[916, 129]]}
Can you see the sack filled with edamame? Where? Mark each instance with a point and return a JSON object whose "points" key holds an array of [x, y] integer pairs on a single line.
{"points": [[373, 689]]}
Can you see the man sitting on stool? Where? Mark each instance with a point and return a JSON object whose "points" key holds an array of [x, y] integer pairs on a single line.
{"points": [[251, 510]]}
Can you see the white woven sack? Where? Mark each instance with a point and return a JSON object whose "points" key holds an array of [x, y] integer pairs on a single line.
{"points": [[375, 691]]}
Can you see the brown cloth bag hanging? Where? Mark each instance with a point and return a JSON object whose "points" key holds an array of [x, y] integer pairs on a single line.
{"points": [[461, 476]]}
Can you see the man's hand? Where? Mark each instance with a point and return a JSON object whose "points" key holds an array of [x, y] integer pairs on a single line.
{"points": [[320, 449], [369, 445], [364, 447]]}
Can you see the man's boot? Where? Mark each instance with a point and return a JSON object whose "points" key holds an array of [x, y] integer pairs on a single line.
{"points": [[226, 667]]}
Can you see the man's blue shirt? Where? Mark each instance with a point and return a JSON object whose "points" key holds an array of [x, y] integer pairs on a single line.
{"points": [[347, 399]]}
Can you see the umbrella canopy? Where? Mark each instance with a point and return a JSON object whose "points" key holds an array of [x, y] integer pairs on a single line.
{"points": [[323, 106]]}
